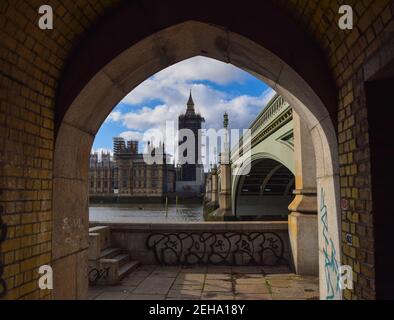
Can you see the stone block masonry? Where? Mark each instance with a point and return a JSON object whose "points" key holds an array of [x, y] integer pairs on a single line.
{"points": [[204, 243]]}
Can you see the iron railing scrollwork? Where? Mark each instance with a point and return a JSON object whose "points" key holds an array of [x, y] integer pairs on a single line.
{"points": [[3, 236], [228, 248]]}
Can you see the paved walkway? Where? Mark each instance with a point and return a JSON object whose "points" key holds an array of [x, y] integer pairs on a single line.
{"points": [[210, 283]]}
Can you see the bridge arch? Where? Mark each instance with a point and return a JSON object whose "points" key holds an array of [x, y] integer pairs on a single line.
{"points": [[239, 171], [85, 101], [257, 189]]}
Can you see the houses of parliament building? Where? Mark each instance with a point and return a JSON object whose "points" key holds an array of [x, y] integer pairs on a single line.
{"points": [[127, 174]]}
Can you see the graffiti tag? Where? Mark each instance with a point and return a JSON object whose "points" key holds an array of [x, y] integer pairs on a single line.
{"points": [[231, 248], [95, 275], [331, 265]]}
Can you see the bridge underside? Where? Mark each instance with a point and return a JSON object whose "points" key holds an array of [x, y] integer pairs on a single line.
{"points": [[266, 192]]}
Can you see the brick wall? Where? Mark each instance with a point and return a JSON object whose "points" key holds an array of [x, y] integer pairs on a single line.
{"points": [[348, 52], [31, 65], [31, 61]]}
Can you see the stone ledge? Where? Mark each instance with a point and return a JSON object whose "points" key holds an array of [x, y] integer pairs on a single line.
{"points": [[197, 226]]}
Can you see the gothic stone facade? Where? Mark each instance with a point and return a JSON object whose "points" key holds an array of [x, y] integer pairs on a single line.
{"points": [[190, 173], [127, 174]]}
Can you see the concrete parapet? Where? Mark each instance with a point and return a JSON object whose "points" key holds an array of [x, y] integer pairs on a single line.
{"points": [[239, 243]]}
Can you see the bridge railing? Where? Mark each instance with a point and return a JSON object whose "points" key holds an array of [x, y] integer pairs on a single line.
{"points": [[278, 111], [274, 107]]}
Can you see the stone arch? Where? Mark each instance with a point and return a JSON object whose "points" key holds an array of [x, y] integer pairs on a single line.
{"points": [[219, 187], [83, 106], [239, 174], [265, 169]]}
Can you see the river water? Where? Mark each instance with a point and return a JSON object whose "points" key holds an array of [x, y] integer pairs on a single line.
{"points": [[129, 213]]}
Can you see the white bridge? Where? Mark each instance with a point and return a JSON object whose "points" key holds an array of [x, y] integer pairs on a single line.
{"points": [[271, 176]]}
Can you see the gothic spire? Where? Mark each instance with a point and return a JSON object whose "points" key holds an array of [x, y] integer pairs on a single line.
{"points": [[190, 103], [225, 120]]}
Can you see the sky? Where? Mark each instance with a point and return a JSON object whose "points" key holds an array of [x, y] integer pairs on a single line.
{"points": [[216, 87]]}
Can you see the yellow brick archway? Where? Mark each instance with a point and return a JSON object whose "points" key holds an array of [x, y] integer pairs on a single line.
{"points": [[34, 64], [92, 106]]}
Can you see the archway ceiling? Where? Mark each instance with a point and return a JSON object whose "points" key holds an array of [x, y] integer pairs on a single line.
{"points": [[127, 23]]}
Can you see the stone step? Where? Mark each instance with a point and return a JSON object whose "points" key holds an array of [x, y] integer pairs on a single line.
{"points": [[94, 246], [122, 259], [127, 269], [112, 264], [98, 229], [109, 253], [100, 238]]}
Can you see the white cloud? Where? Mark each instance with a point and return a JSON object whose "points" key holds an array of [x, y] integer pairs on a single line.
{"points": [[114, 116], [132, 135], [209, 102], [147, 118], [184, 73], [171, 87], [202, 68]]}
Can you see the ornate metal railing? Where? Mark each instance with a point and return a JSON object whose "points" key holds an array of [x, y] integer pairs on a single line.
{"points": [[228, 248]]}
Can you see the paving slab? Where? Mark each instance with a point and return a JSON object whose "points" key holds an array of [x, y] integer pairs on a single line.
{"points": [[248, 275], [217, 286], [248, 270], [110, 295], [277, 270], [145, 297], [288, 292], [279, 283], [250, 281], [190, 278], [93, 293], [120, 288], [187, 286], [252, 288], [189, 294], [219, 269], [287, 298], [170, 272], [209, 283], [217, 296], [193, 269], [154, 285], [133, 281], [218, 276], [253, 296]]}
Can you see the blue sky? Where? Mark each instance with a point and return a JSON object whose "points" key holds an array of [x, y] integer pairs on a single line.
{"points": [[217, 88]]}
